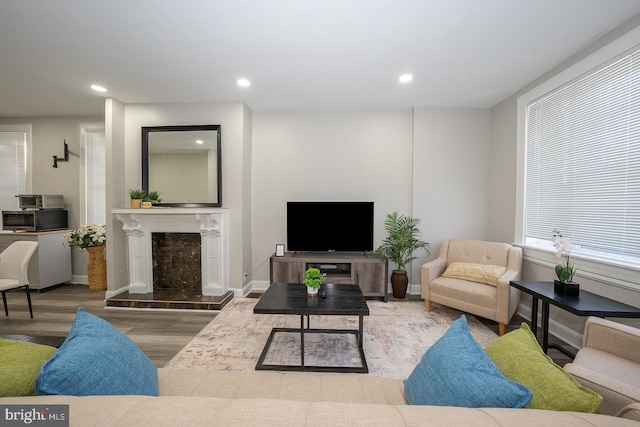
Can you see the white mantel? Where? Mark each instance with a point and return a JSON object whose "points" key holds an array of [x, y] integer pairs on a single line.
{"points": [[211, 223]]}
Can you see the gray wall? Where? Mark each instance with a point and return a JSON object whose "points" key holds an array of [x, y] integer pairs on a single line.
{"points": [[125, 126], [48, 135], [428, 163], [616, 283]]}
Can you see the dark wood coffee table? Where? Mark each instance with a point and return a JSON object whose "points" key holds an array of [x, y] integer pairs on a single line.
{"points": [[291, 298]]}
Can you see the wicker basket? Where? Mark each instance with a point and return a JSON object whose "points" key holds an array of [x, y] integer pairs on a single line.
{"points": [[97, 268]]}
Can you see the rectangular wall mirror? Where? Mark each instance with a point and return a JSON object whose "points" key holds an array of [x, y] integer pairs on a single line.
{"points": [[183, 164]]}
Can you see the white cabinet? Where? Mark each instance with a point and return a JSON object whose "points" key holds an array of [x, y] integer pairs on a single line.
{"points": [[51, 264]]}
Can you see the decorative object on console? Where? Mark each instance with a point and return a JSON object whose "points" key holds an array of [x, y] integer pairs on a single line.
{"points": [[564, 283], [92, 238], [313, 279], [136, 196], [399, 246], [279, 250]]}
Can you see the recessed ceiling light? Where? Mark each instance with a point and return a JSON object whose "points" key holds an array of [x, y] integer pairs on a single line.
{"points": [[199, 141], [244, 83], [405, 78], [98, 88]]}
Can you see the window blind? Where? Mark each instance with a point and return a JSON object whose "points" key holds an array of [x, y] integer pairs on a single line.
{"points": [[12, 168], [583, 161]]}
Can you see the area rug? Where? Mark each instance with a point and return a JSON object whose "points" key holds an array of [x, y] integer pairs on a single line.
{"points": [[396, 335]]}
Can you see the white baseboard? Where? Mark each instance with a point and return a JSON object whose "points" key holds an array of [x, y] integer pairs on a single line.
{"points": [[79, 280], [118, 291], [253, 285], [414, 289]]}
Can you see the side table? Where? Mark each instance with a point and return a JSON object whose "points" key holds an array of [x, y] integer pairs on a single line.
{"points": [[585, 304]]}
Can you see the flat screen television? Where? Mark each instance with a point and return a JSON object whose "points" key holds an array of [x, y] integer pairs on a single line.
{"points": [[330, 226]]}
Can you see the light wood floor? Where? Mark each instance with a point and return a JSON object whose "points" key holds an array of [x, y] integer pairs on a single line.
{"points": [[160, 334]]}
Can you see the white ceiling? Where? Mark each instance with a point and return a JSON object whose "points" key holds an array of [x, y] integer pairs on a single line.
{"points": [[298, 54]]}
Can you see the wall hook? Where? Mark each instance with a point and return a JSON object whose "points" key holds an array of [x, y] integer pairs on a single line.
{"points": [[65, 158]]}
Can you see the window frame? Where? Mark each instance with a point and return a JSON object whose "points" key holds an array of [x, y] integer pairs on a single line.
{"points": [[26, 128], [83, 156], [600, 268]]}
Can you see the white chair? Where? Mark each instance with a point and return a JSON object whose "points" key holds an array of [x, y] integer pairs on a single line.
{"points": [[14, 266]]}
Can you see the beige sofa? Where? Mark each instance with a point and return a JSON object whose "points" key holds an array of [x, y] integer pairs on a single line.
{"points": [[262, 398], [497, 301], [609, 363]]}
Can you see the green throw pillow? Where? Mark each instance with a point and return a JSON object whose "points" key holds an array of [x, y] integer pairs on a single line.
{"points": [[521, 359], [19, 365]]}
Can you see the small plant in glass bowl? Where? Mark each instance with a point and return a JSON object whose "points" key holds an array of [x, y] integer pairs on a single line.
{"points": [[313, 279]]}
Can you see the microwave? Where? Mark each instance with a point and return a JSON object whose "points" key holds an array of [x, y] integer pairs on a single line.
{"points": [[40, 201], [35, 220]]}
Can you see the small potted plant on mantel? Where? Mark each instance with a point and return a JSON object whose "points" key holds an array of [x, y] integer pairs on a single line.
{"points": [[154, 197], [399, 246], [136, 196], [313, 279]]}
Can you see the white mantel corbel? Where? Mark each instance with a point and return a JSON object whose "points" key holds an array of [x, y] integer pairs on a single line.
{"points": [[211, 223]]}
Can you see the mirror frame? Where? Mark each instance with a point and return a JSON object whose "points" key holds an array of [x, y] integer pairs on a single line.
{"points": [[146, 130]]}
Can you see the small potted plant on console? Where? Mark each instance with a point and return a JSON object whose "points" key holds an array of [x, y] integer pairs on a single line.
{"points": [[313, 279]]}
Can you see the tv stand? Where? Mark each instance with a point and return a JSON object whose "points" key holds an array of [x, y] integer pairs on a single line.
{"points": [[364, 269]]}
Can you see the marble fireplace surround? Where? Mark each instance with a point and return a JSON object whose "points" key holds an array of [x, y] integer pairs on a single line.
{"points": [[211, 223]]}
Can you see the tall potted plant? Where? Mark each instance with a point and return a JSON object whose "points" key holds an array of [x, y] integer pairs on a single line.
{"points": [[398, 246]]}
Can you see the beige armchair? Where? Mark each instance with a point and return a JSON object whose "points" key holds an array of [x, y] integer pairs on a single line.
{"points": [[609, 363], [478, 282]]}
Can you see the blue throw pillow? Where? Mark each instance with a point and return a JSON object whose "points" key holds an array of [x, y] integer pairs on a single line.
{"points": [[97, 359], [456, 371]]}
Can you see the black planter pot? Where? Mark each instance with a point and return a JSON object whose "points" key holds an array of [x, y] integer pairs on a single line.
{"points": [[399, 282], [568, 289]]}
